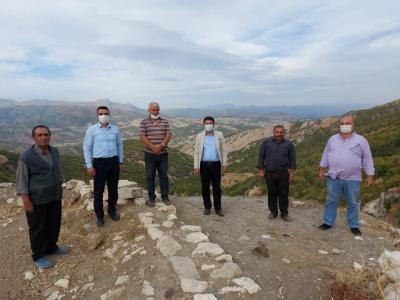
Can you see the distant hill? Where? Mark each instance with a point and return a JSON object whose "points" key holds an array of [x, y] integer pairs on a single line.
{"points": [[380, 125]]}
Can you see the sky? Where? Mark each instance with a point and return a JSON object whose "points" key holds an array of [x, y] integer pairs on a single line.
{"points": [[185, 53]]}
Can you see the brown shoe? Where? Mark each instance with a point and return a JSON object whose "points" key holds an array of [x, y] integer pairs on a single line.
{"points": [[286, 218], [207, 211], [219, 213]]}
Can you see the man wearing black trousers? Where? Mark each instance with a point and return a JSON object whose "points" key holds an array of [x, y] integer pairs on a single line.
{"points": [[39, 182], [103, 151], [277, 164], [210, 161]]}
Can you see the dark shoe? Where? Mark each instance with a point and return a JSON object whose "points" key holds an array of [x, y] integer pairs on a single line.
{"points": [[355, 231], [44, 263], [324, 226], [207, 211], [272, 215], [219, 213], [166, 201], [100, 222], [115, 217], [150, 203], [286, 218]]}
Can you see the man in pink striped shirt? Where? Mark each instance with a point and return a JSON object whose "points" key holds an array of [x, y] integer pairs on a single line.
{"points": [[155, 134], [345, 155]]}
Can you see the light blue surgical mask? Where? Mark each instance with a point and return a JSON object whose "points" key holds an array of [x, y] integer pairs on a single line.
{"points": [[209, 127]]}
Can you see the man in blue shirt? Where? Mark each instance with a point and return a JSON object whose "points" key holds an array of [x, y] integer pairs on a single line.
{"points": [[210, 160], [103, 151]]}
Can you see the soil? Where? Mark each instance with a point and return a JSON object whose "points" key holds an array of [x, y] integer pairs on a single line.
{"points": [[293, 269]]}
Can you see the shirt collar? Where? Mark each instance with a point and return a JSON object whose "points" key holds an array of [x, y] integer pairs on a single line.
{"points": [[39, 151], [108, 126], [275, 141]]}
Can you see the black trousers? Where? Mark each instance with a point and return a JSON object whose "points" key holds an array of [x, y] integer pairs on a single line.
{"points": [[107, 170], [278, 191], [44, 228], [210, 172]]}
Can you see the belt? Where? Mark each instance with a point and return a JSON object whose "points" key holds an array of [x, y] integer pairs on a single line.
{"points": [[105, 158], [210, 161]]}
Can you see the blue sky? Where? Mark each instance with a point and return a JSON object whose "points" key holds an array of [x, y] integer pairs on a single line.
{"points": [[198, 53]]}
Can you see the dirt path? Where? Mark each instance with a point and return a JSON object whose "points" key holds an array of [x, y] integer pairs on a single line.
{"points": [[306, 273]]}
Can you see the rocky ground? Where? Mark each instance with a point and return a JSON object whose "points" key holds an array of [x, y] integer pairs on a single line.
{"points": [[152, 253]]}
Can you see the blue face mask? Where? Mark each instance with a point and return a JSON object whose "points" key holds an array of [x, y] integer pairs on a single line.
{"points": [[209, 127]]}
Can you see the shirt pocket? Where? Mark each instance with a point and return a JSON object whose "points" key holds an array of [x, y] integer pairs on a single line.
{"points": [[356, 149]]}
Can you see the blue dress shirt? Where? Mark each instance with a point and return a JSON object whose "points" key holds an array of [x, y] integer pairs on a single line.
{"points": [[210, 149], [102, 142]]}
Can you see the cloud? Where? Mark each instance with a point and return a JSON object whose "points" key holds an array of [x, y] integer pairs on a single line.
{"points": [[195, 53]]}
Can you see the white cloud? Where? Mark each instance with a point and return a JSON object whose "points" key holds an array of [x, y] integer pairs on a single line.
{"points": [[193, 53]]}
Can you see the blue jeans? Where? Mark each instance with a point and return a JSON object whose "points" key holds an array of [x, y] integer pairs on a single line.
{"points": [[160, 163], [351, 191]]}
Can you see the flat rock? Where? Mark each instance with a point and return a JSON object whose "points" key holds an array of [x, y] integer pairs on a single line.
{"points": [[244, 238], [247, 283], [121, 280], [184, 267], [190, 228], [224, 258], [123, 183], [227, 271], [116, 294], [126, 258], [62, 283], [139, 201], [204, 297], [147, 290], [172, 217], [155, 233], [323, 252], [338, 251], [29, 275], [232, 289], [196, 237], [207, 248], [139, 238], [205, 267], [193, 286], [94, 240], [168, 246], [168, 224]]}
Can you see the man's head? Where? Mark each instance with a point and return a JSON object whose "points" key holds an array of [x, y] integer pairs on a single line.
{"points": [[154, 110], [103, 114], [346, 124], [209, 123], [41, 134], [279, 132]]}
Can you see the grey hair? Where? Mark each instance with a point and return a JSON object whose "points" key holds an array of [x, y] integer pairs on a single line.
{"points": [[154, 103]]}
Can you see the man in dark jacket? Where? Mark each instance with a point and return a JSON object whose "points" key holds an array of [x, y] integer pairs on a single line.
{"points": [[39, 182], [277, 164]]}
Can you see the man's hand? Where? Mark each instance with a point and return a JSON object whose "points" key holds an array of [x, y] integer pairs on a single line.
{"points": [[261, 173], [322, 175], [291, 178], [28, 206], [121, 168], [91, 171], [223, 169], [156, 149], [370, 180], [196, 171]]}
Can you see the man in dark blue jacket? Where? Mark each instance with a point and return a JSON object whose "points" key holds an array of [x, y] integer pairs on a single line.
{"points": [[39, 182], [277, 164]]}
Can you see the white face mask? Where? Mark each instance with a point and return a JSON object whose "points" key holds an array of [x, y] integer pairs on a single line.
{"points": [[104, 119], [209, 127], [346, 128], [154, 117]]}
